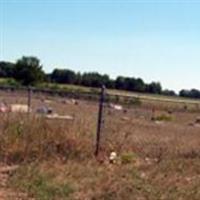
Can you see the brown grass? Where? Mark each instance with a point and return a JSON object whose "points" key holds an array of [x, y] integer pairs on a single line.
{"points": [[156, 160]]}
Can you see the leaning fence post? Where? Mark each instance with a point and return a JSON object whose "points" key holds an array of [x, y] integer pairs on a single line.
{"points": [[29, 99], [99, 122]]}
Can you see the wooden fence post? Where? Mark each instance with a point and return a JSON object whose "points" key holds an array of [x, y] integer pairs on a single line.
{"points": [[29, 99], [99, 122]]}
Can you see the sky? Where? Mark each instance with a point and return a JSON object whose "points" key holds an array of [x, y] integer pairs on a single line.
{"points": [[155, 40]]}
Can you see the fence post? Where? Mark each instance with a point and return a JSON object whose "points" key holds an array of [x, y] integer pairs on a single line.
{"points": [[99, 122], [29, 99]]}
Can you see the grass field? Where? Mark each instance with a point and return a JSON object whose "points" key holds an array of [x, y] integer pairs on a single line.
{"points": [[142, 96], [77, 88], [157, 147]]}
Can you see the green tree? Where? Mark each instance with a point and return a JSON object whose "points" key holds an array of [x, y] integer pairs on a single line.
{"points": [[28, 71], [154, 87], [63, 76], [94, 79], [193, 93], [6, 69], [120, 83]]}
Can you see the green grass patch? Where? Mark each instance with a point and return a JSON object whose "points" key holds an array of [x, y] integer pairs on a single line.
{"points": [[40, 185], [128, 157], [9, 82], [163, 117]]}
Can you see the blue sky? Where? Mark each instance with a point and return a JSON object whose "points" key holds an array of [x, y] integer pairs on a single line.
{"points": [[155, 40]]}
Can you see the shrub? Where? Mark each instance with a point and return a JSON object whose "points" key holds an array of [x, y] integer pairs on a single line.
{"points": [[163, 117], [127, 158]]}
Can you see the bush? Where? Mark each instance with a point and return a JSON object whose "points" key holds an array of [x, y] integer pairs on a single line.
{"points": [[127, 158], [163, 117]]}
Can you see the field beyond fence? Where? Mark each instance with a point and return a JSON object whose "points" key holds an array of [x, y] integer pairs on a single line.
{"points": [[148, 149]]}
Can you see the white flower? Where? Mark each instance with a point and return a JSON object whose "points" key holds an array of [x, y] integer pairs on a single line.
{"points": [[113, 156]]}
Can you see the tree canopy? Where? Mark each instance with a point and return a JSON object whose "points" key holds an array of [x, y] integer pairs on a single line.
{"points": [[28, 71], [193, 93], [6, 69]]}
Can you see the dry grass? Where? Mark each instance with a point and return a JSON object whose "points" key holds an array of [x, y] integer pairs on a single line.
{"points": [[156, 159]]}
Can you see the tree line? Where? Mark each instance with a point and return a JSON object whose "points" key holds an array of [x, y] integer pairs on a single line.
{"points": [[28, 71]]}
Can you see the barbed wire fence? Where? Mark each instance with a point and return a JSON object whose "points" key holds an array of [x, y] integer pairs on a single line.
{"points": [[122, 125], [116, 132], [111, 114]]}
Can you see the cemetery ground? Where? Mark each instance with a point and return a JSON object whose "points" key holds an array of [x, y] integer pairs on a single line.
{"points": [[156, 147]]}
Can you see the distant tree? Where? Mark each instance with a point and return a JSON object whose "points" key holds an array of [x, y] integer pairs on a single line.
{"points": [[78, 78], [105, 80], [169, 92], [140, 85], [129, 84], [6, 69], [28, 71], [94, 79], [110, 84], [154, 88], [136, 85], [63, 76], [194, 93], [184, 93], [120, 83]]}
